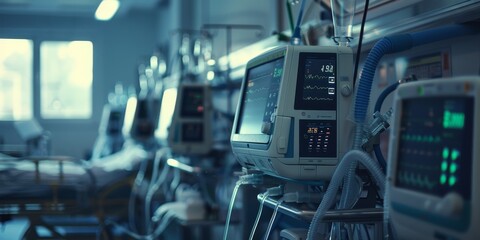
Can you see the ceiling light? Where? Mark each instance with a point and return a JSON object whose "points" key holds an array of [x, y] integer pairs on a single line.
{"points": [[106, 9]]}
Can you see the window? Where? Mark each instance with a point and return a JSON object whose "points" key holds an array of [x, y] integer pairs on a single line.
{"points": [[16, 64], [66, 73]]}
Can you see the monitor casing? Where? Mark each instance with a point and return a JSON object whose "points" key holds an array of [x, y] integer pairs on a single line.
{"points": [[417, 214], [277, 149], [190, 132]]}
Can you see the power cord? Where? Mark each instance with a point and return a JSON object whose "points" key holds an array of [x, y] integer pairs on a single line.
{"points": [[254, 178], [275, 191]]}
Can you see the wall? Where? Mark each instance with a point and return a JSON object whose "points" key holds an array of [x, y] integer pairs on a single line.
{"points": [[193, 15], [119, 45], [122, 43]]}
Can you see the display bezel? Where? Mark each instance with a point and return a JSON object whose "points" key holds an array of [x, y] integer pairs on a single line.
{"points": [[468, 102], [300, 102], [187, 102], [258, 61]]}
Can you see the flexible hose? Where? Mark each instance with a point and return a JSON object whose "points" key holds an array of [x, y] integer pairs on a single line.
{"points": [[394, 44], [339, 174], [365, 84], [290, 17], [379, 155], [297, 36], [378, 108], [384, 95]]}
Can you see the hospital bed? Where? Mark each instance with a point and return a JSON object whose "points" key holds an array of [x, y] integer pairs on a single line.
{"points": [[50, 190]]}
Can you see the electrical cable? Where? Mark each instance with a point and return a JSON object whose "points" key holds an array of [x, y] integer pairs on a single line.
{"points": [[230, 208], [131, 202], [175, 183], [259, 214], [165, 222], [168, 217], [360, 42], [272, 220], [365, 229], [156, 182], [355, 73], [245, 179]]}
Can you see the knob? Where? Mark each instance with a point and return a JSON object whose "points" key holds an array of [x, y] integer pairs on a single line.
{"points": [[346, 91]]}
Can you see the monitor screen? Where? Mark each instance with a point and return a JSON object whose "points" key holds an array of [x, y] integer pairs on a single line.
{"points": [[260, 95], [129, 117], [435, 145], [115, 122], [192, 132], [192, 101], [166, 113], [316, 82]]}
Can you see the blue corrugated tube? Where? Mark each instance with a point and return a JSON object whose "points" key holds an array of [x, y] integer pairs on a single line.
{"points": [[394, 44], [329, 198]]}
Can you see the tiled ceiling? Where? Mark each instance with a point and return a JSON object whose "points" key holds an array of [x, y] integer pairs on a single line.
{"points": [[68, 7]]}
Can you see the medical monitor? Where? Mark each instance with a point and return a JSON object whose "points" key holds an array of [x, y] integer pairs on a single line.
{"points": [[141, 118], [260, 99], [129, 117], [190, 132], [432, 160], [167, 108], [112, 120], [291, 116]]}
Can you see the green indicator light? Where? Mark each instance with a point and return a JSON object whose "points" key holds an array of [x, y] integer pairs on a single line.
{"points": [[443, 179], [446, 118], [445, 153], [452, 180], [444, 166], [453, 168], [453, 119], [430, 139], [455, 154], [437, 139]]}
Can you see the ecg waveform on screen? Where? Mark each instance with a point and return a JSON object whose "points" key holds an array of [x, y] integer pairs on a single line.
{"points": [[257, 94], [317, 99], [258, 90], [315, 77], [310, 87], [416, 180]]}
